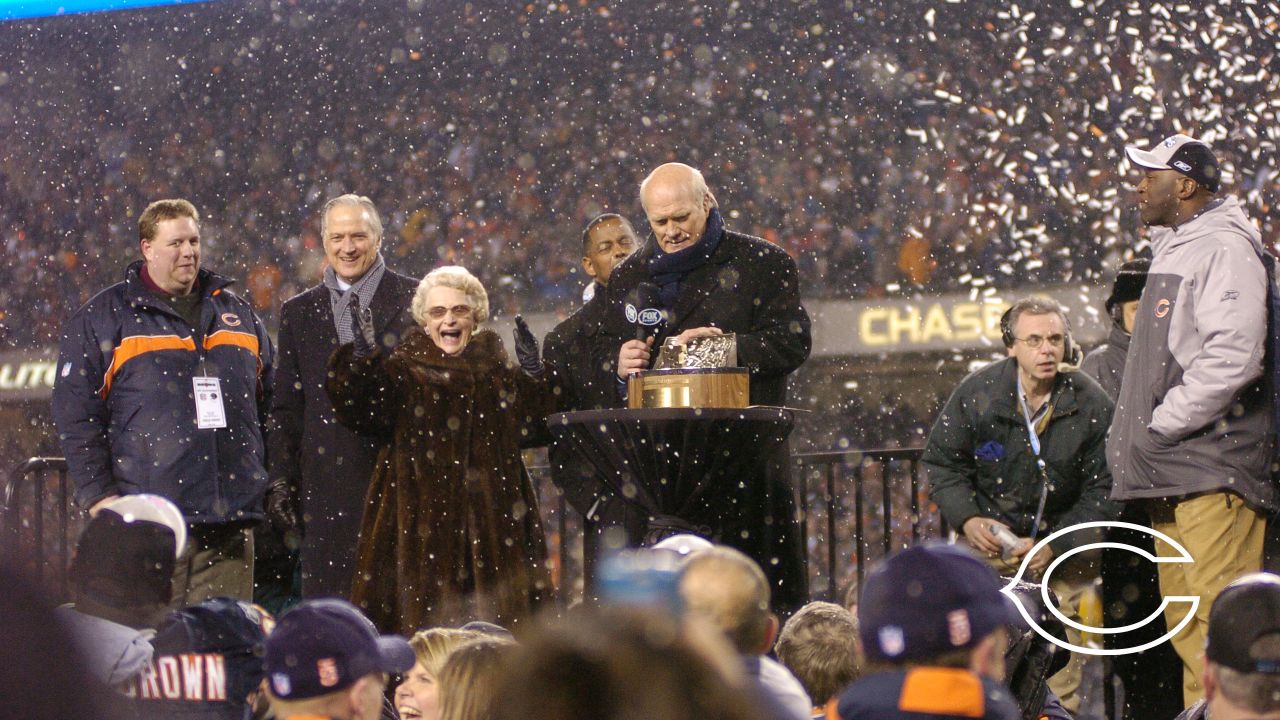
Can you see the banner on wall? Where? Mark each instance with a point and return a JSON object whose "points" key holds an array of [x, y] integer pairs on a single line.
{"points": [[27, 374]]}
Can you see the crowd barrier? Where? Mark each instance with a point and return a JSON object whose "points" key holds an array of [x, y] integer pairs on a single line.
{"points": [[40, 523], [857, 506]]}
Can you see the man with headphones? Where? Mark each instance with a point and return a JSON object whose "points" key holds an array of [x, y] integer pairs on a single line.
{"points": [[1019, 451]]}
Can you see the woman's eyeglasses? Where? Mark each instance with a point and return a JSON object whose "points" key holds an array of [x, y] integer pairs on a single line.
{"points": [[438, 312]]}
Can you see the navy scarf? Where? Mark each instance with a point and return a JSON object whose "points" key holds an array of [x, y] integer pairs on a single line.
{"points": [[669, 269]]}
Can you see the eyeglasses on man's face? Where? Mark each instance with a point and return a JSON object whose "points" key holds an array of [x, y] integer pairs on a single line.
{"points": [[1035, 341], [438, 312]]}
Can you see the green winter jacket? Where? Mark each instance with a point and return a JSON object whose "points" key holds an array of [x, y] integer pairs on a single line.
{"points": [[980, 461]]}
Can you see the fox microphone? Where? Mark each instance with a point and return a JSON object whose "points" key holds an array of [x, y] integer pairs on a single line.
{"points": [[644, 310]]}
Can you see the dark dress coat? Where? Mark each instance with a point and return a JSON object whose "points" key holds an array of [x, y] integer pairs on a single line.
{"points": [[328, 465], [584, 383], [750, 287], [1105, 363], [451, 530]]}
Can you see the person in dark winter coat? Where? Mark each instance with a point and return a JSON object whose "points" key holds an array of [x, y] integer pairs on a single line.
{"points": [[451, 530], [984, 463], [1129, 586], [607, 240], [1194, 431], [313, 457], [163, 387], [712, 280], [1106, 362]]}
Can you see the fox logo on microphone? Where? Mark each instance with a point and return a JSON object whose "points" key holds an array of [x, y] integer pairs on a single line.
{"points": [[648, 316]]}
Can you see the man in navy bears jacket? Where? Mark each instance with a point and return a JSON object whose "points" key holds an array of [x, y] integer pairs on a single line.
{"points": [[163, 385]]}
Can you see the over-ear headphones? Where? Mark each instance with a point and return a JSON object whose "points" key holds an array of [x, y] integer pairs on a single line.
{"points": [[1006, 327], [1071, 354]]}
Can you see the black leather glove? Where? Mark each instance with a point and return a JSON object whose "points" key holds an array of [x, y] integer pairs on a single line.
{"points": [[527, 349], [362, 329], [281, 507]]}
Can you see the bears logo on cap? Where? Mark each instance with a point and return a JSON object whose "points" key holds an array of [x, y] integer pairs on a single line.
{"points": [[280, 682], [328, 672], [958, 628]]}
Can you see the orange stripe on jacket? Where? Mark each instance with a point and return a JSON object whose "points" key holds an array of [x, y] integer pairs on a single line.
{"points": [[248, 341], [131, 347], [942, 691]]}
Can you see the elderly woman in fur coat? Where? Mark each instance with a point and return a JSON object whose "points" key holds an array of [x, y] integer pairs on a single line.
{"points": [[451, 530]]}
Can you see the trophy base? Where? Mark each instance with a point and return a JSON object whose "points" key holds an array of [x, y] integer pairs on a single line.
{"points": [[726, 387]]}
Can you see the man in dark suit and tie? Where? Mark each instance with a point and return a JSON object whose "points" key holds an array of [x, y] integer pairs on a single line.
{"points": [[326, 466]]}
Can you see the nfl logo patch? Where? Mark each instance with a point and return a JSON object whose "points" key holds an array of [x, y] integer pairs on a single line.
{"points": [[958, 627], [328, 672], [280, 682], [892, 640]]}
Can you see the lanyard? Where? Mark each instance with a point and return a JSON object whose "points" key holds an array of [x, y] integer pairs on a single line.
{"points": [[1034, 438], [1031, 426]]}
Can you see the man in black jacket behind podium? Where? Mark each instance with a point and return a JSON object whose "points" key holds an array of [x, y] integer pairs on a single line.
{"points": [[585, 383], [711, 280]]}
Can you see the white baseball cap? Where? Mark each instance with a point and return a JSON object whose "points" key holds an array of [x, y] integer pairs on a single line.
{"points": [[156, 509], [684, 544], [1181, 153]]}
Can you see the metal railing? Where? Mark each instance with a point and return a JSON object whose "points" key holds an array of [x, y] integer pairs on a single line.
{"points": [[39, 522], [858, 502], [857, 506]]}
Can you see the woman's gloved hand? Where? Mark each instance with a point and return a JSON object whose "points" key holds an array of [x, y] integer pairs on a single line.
{"points": [[527, 349]]}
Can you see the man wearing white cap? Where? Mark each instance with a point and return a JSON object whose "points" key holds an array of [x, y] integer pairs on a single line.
{"points": [[122, 581], [1192, 435]]}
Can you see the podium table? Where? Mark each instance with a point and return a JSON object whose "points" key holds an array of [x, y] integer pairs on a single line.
{"points": [[684, 466]]}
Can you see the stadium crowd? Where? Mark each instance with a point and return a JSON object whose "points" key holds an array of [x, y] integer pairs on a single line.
{"points": [[949, 147], [960, 147]]}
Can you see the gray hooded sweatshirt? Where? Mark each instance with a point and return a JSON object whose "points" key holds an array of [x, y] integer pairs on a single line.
{"points": [[115, 653], [1193, 413]]}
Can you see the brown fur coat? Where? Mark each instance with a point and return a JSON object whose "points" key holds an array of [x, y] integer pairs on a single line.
{"points": [[451, 530]]}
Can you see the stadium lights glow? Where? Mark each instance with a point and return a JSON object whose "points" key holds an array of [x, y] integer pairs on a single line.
{"points": [[17, 9]]}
